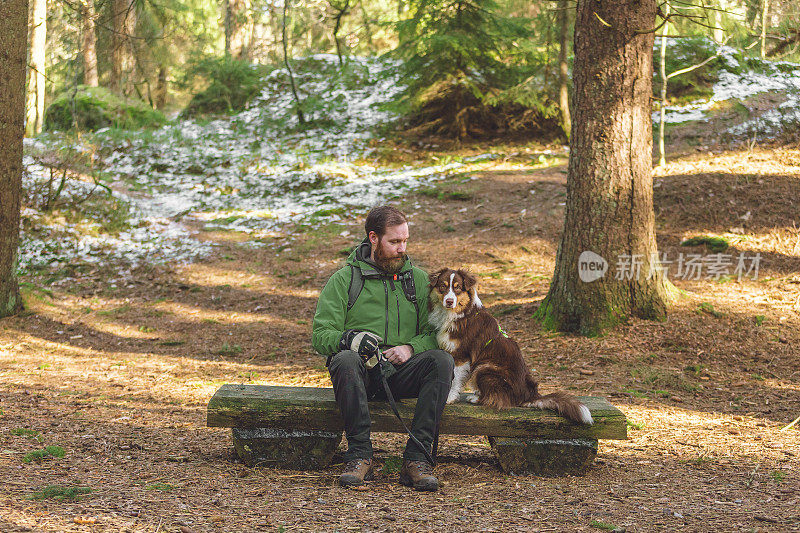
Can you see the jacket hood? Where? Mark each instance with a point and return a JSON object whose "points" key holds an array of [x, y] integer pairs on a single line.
{"points": [[360, 257]]}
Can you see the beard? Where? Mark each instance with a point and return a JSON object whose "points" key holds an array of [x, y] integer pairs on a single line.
{"points": [[392, 264]]}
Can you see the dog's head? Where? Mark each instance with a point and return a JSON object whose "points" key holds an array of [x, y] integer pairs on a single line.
{"points": [[453, 289]]}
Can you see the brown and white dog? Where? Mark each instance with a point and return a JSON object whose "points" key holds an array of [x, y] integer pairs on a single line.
{"points": [[482, 350]]}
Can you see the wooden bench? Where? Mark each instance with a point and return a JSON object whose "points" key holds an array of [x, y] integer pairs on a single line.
{"points": [[300, 427]]}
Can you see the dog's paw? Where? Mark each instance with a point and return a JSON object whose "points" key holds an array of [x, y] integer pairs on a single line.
{"points": [[452, 398], [472, 398]]}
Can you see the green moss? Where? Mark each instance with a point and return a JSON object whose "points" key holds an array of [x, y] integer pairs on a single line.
{"points": [[92, 108], [25, 432], [588, 324], [393, 465], [715, 244], [602, 525], [708, 308], [49, 452], [57, 492], [164, 487], [229, 349]]}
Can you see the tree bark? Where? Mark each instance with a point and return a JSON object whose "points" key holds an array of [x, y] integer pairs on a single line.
{"points": [[716, 22], [36, 72], [764, 21], [609, 207], [563, 68], [300, 117], [122, 60], [161, 88], [662, 72], [341, 11], [238, 26], [89, 45], [13, 43]]}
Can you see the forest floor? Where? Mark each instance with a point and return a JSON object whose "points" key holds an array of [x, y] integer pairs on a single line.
{"points": [[119, 374]]}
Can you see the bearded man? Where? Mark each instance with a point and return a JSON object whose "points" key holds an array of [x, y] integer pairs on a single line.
{"points": [[378, 302]]}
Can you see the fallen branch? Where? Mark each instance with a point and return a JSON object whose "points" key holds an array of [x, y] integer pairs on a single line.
{"points": [[795, 421]]}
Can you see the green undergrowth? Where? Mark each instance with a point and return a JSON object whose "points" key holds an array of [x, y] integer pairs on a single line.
{"points": [[714, 244], [48, 452], [60, 493], [229, 85], [28, 433], [91, 108], [392, 465]]}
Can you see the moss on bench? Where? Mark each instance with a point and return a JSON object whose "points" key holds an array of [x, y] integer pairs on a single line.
{"points": [[524, 439]]}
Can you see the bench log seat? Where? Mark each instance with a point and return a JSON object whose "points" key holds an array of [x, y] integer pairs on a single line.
{"points": [[300, 427]]}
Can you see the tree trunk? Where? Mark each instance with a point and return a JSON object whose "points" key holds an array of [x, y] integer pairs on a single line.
{"points": [[238, 26], [764, 21], [716, 22], [341, 11], [300, 117], [662, 71], [563, 67], [367, 25], [161, 88], [13, 44], [36, 72], [609, 207], [122, 61], [89, 45]]}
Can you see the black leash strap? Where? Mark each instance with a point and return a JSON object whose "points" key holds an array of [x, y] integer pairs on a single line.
{"points": [[392, 403]]}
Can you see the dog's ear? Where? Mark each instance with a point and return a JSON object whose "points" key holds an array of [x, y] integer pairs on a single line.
{"points": [[469, 280], [433, 278]]}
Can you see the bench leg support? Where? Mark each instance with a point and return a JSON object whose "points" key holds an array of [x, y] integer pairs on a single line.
{"points": [[545, 457], [301, 450]]}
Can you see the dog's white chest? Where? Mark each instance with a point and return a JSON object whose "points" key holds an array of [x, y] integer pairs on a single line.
{"points": [[443, 321], [445, 342]]}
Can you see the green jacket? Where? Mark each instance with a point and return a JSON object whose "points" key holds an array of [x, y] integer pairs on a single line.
{"points": [[381, 308]]}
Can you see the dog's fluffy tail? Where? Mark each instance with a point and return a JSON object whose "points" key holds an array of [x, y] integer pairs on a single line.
{"points": [[567, 405]]}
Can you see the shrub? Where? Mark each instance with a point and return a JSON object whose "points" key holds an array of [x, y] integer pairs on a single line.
{"points": [[471, 71], [91, 108], [232, 83]]}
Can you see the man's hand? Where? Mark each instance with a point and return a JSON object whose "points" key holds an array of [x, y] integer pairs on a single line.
{"points": [[363, 343], [399, 354]]}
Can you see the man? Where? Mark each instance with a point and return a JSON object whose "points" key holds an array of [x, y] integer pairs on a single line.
{"points": [[351, 324]]}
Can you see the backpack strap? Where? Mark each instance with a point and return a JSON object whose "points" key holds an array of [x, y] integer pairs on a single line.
{"points": [[356, 284], [357, 276], [407, 282]]}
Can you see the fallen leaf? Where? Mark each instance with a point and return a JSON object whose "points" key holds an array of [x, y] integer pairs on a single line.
{"points": [[84, 520]]}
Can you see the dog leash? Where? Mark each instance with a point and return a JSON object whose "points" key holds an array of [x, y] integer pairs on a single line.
{"points": [[386, 370]]}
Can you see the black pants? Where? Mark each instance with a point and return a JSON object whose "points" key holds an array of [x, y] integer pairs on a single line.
{"points": [[426, 376]]}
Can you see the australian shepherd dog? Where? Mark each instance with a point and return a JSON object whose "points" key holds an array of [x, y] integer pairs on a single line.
{"points": [[483, 351]]}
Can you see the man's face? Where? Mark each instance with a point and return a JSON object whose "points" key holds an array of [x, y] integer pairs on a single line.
{"points": [[389, 251]]}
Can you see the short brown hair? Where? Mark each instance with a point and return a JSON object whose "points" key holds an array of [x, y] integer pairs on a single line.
{"points": [[381, 217]]}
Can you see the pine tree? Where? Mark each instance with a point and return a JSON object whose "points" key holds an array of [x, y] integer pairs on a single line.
{"points": [[470, 71], [464, 41]]}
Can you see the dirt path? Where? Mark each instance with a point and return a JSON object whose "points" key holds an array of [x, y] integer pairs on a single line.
{"points": [[118, 376]]}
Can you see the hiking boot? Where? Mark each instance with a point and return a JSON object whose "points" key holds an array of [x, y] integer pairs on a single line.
{"points": [[418, 474], [356, 472]]}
